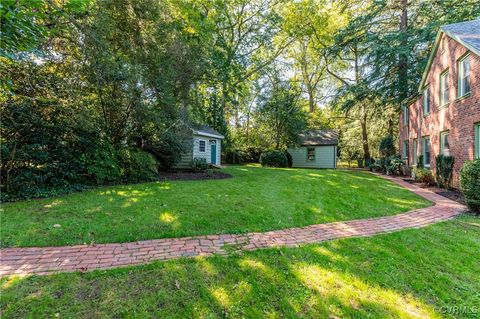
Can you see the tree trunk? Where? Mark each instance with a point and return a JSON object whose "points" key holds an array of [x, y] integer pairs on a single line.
{"points": [[403, 58], [363, 124]]}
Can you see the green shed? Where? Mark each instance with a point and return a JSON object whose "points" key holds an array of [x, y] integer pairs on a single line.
{"points": [[317, 149]]}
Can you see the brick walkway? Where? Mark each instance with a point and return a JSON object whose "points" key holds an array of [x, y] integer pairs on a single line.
{"points": [[44, 260]]}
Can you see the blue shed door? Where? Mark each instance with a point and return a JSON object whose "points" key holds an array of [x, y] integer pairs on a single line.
{"points": [[213, 151]]}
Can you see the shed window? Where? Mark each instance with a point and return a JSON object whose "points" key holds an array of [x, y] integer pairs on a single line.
{"points": [[201, 146], [464, 76], [310, 154], [444, 96], [426, 100], [426, 151], [444, 144]]}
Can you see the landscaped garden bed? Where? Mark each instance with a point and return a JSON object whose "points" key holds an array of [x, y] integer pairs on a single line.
{"points": [[186, 175], [453, 194]]}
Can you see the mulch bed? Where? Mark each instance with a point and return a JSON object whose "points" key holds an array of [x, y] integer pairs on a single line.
{"points": [[187, 176], [453, 194]]}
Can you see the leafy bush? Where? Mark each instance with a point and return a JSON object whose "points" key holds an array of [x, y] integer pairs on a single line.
{"points": [[423, 175], [387, 146], [376, 166], [199, 164], [395, 165], [289, 158], [137, 165], [470, 184], [420, 161], [168, 149], [444, 170], [274, 159], [234, 157], [103, 165]]}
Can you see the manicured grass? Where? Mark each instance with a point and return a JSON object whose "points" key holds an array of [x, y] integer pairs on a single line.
{"points": [[416, 273], [255, 199]]}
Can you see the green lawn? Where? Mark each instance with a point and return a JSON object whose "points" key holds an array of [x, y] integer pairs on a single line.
{"points": [[416, 273], [255, 199]]}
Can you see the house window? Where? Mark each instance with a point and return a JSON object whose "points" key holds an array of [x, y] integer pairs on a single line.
{"points": [[201, 146], [444, 144], [464, 76], [415, 149], [443, 44], [405, 115], [405, 150], [426, 151], [310, 154], [426, 100], [477, 140], [444, 88]]}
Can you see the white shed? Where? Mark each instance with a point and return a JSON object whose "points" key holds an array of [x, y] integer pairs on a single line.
{"points": [[205, 143], [318, 149]]}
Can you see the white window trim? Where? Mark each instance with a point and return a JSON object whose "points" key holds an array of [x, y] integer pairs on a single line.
{"points": [[204, 148], [461, 89]]}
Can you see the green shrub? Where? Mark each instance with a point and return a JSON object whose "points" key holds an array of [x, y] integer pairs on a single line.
{"points": [[137, 165], [423, 175], [234, 157], [420, 161], [103, 165], [387, 146], [289, 158], [444, 170], [470, 184], [199, 164], [274, 159], [395, 165]]}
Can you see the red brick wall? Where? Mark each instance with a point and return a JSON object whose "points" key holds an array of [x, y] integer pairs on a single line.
{"points": [[458, 117]]}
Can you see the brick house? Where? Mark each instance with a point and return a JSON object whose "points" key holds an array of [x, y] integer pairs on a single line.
{"points": [[444, 116]]}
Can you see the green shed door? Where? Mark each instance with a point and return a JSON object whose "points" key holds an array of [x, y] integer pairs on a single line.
{"points": [[213, 152]]}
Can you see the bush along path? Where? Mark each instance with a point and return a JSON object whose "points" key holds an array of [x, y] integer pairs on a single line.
{"points": [[45, 260]]}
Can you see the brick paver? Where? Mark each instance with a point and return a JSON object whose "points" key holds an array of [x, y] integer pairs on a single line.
{"points": [[44, 260]]}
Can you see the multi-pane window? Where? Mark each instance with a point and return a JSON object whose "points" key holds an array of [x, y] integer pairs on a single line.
{"points": [[405, 115], [415, 149], [477, 140], [426, 100], [201, 146], [444, 98], [426, 151], [311, 154], [405, 150], [444, 144], [464, 76]]}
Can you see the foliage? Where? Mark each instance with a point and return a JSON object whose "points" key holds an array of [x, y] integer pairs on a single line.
{"points": [[199, 164], [387, 146], [420, 161], [289, 158], [423, 175], [103, 165], [470, 184], [274, 159], [444, 170], [137, 165], [395, 165]]}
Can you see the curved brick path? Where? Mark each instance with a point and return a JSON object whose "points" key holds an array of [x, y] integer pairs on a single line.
{"points": [[44, 260]]}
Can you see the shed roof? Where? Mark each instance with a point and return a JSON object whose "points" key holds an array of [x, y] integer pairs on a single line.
{"points": [[206, 130], [318, 137]]}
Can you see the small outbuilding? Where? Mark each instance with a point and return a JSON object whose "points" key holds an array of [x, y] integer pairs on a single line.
{"points": [[318, 149], [205, 143]]}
